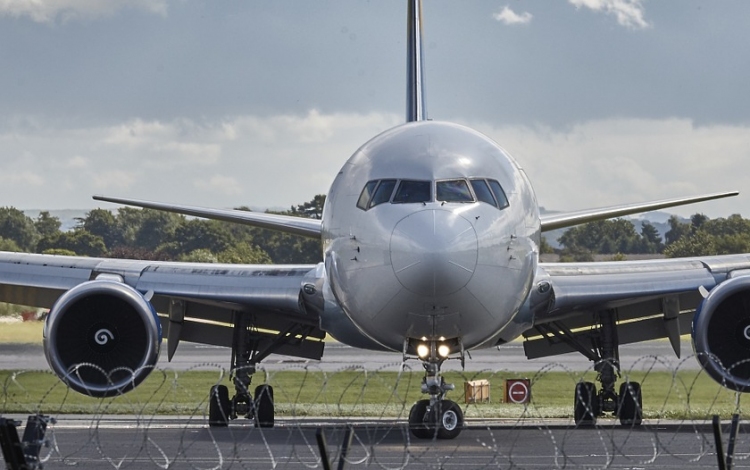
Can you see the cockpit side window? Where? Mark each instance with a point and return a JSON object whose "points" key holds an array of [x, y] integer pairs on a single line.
{"points": [[383, 192], [502, 200], [453, 191], [483, 192], [364, 198], [413, 191]]}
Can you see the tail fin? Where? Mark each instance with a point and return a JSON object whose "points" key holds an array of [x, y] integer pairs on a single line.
{"points": [[415, 107]]}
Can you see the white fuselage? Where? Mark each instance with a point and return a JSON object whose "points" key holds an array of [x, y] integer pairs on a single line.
{"points": [[430, 270]]}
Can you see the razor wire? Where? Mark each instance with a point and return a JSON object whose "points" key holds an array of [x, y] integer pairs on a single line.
{"points": [[156, 430]]}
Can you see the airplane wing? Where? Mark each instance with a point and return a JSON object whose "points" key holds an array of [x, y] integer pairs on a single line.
{"points": [[289, 224], [570, 219], [196, 302], [649, 299]]}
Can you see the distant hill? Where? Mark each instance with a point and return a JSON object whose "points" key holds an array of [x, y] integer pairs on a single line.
{"points": [[659, 219]]}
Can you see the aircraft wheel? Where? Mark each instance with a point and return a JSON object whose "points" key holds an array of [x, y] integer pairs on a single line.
{"points": [[219, 407], [450, 420], [630, 410], [264, 410], [417, 423], [585, 406]]}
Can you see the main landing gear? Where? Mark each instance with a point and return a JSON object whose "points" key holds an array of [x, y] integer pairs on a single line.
{"points": [[588, 403], [437, 417], [248, 349]]}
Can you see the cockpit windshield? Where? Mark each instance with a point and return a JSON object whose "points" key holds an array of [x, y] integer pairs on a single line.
{"points": [[453, 191], [459, 190], [413, 191]]}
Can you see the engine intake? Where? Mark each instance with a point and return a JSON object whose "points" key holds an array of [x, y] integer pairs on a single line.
{"points": [[102, 338], [721, 333]]}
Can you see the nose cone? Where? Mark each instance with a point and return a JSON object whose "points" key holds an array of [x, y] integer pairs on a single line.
{"points": [[434, 252]]}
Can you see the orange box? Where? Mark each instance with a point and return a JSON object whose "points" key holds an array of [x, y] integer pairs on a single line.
{"points": [[477, 391]]}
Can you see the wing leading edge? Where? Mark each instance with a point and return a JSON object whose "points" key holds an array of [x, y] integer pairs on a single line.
{"points": [[295, 225], [570, 219]]}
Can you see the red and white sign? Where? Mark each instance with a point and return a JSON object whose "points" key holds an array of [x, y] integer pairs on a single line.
{"points": [[517, 391]]}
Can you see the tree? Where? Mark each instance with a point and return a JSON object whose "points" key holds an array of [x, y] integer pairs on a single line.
{"points": [[697, 244], [9, 245], [545, 247], [651, 241], [201, 255], [191, 235], [311, 209], [244, 254], [47, 225], [602, 236], [102, 223], [676, 230], [79, 241], [17, 226], [155, 228]]}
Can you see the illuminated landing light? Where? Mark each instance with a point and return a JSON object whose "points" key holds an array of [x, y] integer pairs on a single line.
{"points": [[423, 351], [443, 350]]}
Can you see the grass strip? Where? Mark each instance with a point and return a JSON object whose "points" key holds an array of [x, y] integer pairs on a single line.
{"points": [[356, 392]]}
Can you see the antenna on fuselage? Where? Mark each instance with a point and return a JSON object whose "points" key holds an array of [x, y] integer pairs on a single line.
{"points": [[415, 107]]}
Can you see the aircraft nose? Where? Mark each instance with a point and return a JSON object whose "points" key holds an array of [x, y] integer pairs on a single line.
{"points": [[434, 252]]}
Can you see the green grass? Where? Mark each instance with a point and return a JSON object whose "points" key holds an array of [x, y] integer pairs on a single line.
{"points": [[686, 395], [21, 332]]}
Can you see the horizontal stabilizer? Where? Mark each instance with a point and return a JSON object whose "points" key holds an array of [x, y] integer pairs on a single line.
{"points": [[283, 223], [570, 219]]}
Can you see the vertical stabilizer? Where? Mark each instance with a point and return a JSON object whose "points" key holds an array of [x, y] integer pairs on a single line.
{"points": [[415, 107]]}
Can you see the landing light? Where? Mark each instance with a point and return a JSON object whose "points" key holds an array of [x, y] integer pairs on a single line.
{"points": [[443, 350], [423, 350]]}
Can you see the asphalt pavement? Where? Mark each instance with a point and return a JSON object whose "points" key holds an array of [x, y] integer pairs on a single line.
{"points": [[656, 355]]}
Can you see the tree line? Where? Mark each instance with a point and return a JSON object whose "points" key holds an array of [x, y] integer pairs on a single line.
{"points": [[700, 236], [155, 235]]}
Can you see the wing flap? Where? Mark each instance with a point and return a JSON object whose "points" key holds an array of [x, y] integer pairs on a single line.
{"points": [[652, 299], [627, 333]]}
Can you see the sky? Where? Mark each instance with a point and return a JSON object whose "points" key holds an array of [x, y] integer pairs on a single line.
{"points": [[229, 103]]}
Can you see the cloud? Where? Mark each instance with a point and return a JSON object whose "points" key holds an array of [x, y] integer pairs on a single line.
{"points": [[283, 160], [509, 17], [48, 11], [617, 161], [224, 184], [629, 13], [273, 161]]}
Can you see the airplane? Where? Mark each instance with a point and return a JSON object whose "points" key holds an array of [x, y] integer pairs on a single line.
{"points": [[430, 241]]}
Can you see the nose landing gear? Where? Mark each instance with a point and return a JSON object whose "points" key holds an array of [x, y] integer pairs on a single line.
{"points": [[435, 417]]}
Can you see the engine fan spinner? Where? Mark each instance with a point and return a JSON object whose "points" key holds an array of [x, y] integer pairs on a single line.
{"points": [[102, 338], [721, 333]]}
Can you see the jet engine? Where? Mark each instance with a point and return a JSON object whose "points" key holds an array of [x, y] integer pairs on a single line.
{"points": [[721, 333], [102, 338]]}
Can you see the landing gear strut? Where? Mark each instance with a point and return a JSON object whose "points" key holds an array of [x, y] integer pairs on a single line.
{"points": [[435, 417], [601, 347], [248, 349]]}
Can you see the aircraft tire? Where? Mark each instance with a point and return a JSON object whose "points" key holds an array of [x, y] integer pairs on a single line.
{"points": [[219, 407], [264, 409], [630, 409], [417, 424], [585, 408], [450, 420]]}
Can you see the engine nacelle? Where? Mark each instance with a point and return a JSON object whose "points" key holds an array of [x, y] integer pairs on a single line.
{"points": [[102, 338], [721, 333]]}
